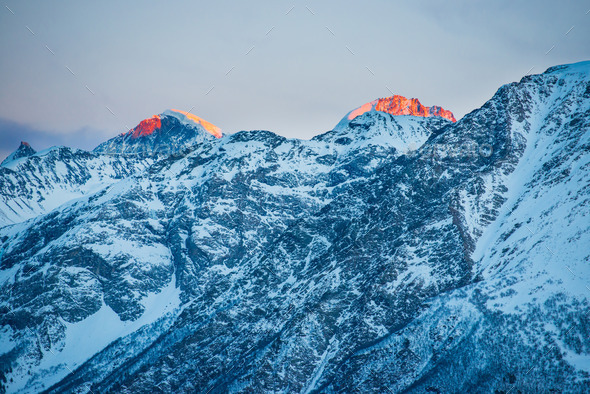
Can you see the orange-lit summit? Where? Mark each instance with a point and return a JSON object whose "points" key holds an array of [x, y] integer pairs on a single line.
{"points": [[150, 125], [211, 128], [399, 105], [147, 126]]}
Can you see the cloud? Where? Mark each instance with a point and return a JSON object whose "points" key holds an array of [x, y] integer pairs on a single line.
{"points": [[12, 133]]}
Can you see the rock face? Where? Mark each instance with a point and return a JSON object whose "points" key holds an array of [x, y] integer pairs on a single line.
{"points": [[397, 105], [147, 127], [400, 253]]}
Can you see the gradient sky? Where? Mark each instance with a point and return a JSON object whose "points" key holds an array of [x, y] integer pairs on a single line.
{"points": [[295, 68]]}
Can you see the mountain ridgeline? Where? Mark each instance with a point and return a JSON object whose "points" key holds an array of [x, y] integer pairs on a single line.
{"points": [[403, 251]]}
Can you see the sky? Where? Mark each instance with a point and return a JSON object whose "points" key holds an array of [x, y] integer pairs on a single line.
{"points": [[78, 73]]}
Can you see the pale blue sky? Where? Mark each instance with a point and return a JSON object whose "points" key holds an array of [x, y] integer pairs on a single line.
{"points": [[291, 68]]}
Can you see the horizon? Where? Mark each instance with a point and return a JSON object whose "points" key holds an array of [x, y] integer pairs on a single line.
{"points": [[225, 134], [294, 69]]}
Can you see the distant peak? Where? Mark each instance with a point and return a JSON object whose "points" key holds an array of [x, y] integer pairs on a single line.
{"points": [[23, 150], [170, 131], [150, 125], [398, 105]]}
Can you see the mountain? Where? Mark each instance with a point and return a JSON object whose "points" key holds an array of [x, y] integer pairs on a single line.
{"points": [[396, 105], [24, 150], [169, 132], [395, 253], [245, 189]]}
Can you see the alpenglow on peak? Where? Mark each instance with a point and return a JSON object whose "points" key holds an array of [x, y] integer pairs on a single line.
{"points": [[149, 125], [171, 131], [397, 105]]}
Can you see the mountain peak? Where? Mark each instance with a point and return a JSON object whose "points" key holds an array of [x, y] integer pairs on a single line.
{"points": [[170, 131], [148, 126], [24, 150], [397, 105]]}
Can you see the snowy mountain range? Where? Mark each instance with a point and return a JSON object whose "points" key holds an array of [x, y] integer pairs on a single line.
{"points": [[403, 251]]}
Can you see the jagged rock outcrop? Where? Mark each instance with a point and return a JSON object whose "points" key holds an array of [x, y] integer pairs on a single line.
{"points": [[397, 105]]}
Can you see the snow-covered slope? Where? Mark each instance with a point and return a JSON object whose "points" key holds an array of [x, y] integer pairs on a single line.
{"points": [[187, 218], [400, 253], [39, 182]]}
